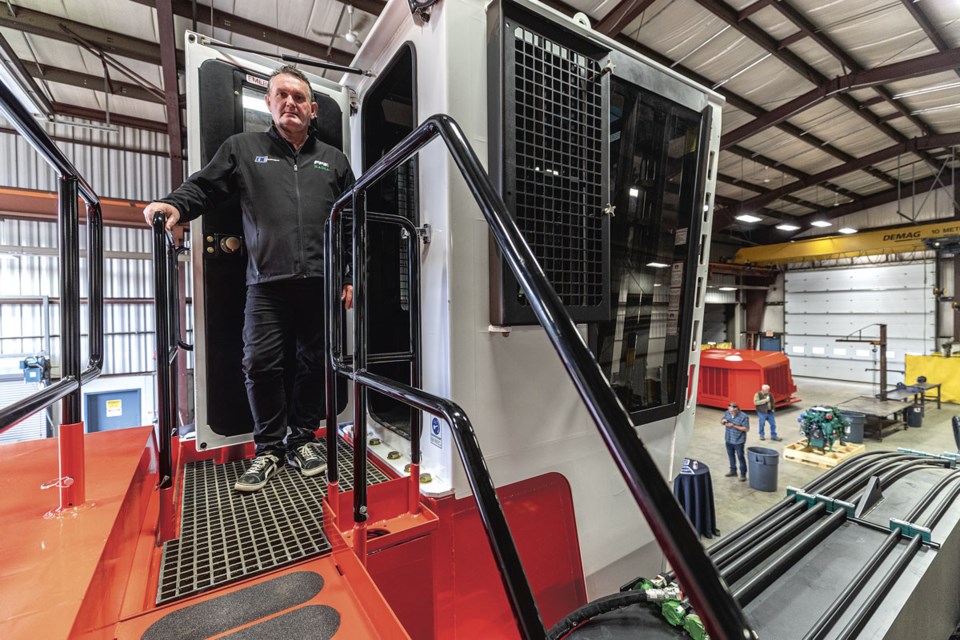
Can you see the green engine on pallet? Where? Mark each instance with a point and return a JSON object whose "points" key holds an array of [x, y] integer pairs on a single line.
{"points": [[823, 426]]}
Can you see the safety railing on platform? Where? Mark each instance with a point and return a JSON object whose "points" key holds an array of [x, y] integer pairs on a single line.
{"points": [[168, 344], [67, 388], [697, 575]]}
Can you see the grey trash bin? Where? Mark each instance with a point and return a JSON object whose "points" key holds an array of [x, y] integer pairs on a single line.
{"points": [[763, 463], [855, 421]]}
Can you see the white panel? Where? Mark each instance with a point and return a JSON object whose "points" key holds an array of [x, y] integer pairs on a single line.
{"points": [[854, 302]]}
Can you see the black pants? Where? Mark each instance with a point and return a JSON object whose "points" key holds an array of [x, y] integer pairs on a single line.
{"points": [[276, 314]]}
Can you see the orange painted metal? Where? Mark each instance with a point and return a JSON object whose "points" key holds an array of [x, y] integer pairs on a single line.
{"points": [[73, 481], [469, 600], [413, 489], [26, 203], [333, 495], [65, 576]]}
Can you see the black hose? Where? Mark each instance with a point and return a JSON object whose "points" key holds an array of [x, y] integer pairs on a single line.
{"points": [[833, 612], [731, 551], [749, 589], [593, 609], [860, 617], [752, 558]]}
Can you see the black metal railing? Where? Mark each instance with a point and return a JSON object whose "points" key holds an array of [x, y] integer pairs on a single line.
{"points": [[168, 342], [696, 573], [334, 337], [71, 186]]}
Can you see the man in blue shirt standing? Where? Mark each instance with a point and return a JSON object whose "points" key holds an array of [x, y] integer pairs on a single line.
{"points": [[737, 424]]}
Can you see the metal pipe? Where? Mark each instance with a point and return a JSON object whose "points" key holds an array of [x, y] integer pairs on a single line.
{"points": [[94, 291], [416, 365], [762, 532], [331, 327], [16, 413], [488, 504], [860, 616], [161, 286], [359, 246], [722, 615], [752, 558], [68, 225], [746, 592]]}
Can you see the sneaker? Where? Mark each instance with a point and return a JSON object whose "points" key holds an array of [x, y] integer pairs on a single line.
{"points": [[732, 474], [777, 439], [258, 473], [743, 478], [307, 459], [762, 438]]}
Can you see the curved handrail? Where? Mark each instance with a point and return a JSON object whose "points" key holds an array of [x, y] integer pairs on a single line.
{"points": [[72, 185], [166, 311], [698, 576]]}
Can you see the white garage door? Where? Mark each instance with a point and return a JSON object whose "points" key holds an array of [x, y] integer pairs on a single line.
{"points": [[822, 305], [33, 427]]}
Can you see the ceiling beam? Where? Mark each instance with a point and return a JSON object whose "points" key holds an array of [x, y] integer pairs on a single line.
{"points": [[57, 28], [115, 118], [911, 146], [848, 61], [795, 62], [923, 65], [749, 10], [790, 171], [171, 89], [928, 27], [621, 15], [269, 35], [88, 81]]}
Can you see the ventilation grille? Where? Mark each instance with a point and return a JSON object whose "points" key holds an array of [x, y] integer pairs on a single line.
{"points": [[714, 381], [778, 378], [558, 163]]}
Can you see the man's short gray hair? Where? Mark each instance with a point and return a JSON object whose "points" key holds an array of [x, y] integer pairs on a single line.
{"points": [[292, 71]]}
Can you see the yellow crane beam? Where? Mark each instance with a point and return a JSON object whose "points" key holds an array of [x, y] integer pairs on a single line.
{"points": [[898, 240]]}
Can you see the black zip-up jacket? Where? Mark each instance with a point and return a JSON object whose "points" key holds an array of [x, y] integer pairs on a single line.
{"points": [[285, 198]]}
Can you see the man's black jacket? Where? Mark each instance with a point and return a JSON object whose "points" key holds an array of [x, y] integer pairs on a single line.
{"points": [[285, 197]]}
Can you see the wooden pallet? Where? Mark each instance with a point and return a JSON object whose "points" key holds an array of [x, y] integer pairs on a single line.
{"points": [[799, 452]]}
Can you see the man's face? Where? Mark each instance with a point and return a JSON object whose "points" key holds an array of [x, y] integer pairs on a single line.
{"points": [[290, 103], [733, 410]]}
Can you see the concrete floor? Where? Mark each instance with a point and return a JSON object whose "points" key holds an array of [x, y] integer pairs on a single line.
{"points": [[737, 503]]}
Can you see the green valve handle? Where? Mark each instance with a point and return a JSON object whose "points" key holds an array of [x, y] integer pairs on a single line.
{"points": [[674, 612], [694, 627]]}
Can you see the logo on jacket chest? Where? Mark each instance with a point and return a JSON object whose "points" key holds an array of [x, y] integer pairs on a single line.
{"points": [[265, 159], [319, 164]]}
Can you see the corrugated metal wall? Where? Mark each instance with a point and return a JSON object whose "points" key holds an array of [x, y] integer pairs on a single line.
{"points": [[29, 294], [133, 164]]}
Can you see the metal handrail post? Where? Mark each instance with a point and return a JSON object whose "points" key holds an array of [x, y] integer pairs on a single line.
{"points": [[360, 364], [416, 367], [697, 575], [331, 327]]}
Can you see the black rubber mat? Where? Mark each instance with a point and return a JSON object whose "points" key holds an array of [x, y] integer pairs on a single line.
{"points": [[317, 622], [219, 615], [226, 535]]}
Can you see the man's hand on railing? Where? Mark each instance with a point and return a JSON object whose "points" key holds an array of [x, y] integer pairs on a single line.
{"points": [[170, 213]]}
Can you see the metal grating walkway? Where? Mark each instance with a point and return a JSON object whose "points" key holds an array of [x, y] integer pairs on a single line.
{"points": [[226, 535]]}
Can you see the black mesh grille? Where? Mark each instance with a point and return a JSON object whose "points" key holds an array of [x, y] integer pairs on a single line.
{"points": [[226, 535], [557, 178]]}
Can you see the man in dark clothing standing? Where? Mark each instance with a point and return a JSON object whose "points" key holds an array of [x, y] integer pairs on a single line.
{"points": [[765, 404], [288, 181], [735, 435]]}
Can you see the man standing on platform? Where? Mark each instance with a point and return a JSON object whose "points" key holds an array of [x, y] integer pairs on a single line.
{"points": [[737, 425], [763, 401]]}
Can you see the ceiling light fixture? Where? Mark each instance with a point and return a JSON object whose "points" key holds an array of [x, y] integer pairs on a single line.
{"points": [[945, 107], [847, 230], [634, 192], [728, 288], [786, 226], [821, 223], [746, 217], [657, 265], [920, 92]]}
